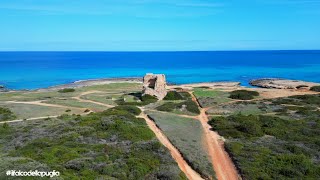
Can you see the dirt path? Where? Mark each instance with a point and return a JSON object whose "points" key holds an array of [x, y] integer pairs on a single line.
{"points": [[35, 118], [40, 103], [78, 98], [183, 165], [29, 119], [222, 163]]}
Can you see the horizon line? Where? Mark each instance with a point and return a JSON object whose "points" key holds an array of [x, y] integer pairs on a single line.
{"points": [[159, 50]]}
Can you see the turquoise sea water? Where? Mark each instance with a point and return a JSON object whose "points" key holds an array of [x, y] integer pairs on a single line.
{"points": [[32, 70]]}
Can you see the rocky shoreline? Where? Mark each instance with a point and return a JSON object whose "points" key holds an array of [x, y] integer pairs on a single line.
{"points": [[274, 83], [268, 83], [3, 88]]}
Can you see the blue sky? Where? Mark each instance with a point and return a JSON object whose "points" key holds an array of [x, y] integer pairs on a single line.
{"points": [[158, 25]]}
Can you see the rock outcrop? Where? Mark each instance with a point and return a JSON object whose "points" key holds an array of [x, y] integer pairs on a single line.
{"points": [[155, 85], [3, 88], [282, 84]]}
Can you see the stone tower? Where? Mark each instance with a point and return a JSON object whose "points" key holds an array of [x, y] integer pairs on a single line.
{"points": [[155, 85]]}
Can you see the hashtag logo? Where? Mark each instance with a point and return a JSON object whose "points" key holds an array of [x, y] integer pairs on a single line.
{"points": [[8, 173], [31, 173]]}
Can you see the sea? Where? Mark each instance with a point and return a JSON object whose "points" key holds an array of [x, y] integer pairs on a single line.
{"points": [[33, 70]]}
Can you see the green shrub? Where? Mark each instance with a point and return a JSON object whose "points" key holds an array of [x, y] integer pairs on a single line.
{"points": [[170, 106], [131, 109], [173, 95], [66, 90], [145, 100], [148, 98], [185, 95], [243, 94], [5, 125], [315, 88], [191, 106], [167, 107], [112, 144], [6, 114], [204, 87]]}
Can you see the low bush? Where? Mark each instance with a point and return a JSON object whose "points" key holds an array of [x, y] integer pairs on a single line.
{"points": [[170, 106], [270, 147], [173, 95], [66, 90], [243, 94], [192, 107], [144, 100], [5, 125], [131, 109], [148, 98], [315, 88], [113, 144], [185, 95], [6, 114]]}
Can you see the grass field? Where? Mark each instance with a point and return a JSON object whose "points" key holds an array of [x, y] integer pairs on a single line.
{"points": [[75, 103], [186, 134], [105, 98], [44, 95], [113, 90], [245, 108], [115, 87], [207, 97], [24, 111]]}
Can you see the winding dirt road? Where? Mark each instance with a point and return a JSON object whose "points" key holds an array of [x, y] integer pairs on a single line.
{"points": [[222, 163], [29, 119], [183, 165], [78, 98], [40, 103]]}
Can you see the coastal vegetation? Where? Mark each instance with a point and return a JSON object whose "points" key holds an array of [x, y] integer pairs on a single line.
{"points": [[281, 145], [25, 111], [185, 106], [186, 135], [209, 97], [75, 103], [66, 90], [110, 144], [173, 95], [315, 88], [243, 94], [142, 100], [31, 104], [6, 114], [244, 108], [266, 138]]}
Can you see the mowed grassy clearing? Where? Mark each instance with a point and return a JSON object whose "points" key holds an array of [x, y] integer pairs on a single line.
{"points": [[244, 108], [105, 98], [209, 97], [186, 134], [25, 111], [75, 103], [113, 88]]}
